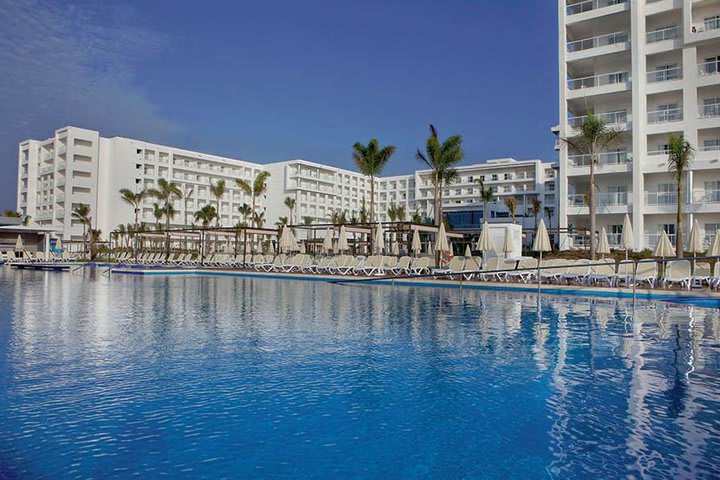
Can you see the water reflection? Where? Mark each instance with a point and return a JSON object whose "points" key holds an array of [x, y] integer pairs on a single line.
{"points": [[574, 386]]}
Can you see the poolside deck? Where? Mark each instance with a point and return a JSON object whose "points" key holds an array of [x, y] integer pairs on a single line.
{"points": [[576, 290]]}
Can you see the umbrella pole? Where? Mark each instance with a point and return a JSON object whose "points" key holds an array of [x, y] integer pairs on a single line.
{"points": [[538, 274]]}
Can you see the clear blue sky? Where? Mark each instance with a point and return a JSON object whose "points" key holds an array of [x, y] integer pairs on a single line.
{"points": [[274, 80]]}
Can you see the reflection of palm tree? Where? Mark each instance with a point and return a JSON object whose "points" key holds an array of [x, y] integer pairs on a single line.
{"points": [[677, 393]]}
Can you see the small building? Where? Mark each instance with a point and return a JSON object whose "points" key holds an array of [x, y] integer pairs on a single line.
{"points": [[34, 239]]}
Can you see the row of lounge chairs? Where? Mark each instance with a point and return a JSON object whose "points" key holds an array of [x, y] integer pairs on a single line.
{"points": [[36, 257], [584, 272], [376, 265]]}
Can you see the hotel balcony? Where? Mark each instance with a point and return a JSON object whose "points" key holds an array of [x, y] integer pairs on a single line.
{"points": [[663, 34], [585, 9], [47, 170], [664, 116], [611, 203], [598, 84], [599, 45], [609, 162], [664, 80], [705, 30], [708, 73], [618, 119]]}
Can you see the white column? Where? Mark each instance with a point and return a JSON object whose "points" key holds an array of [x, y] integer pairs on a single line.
{"points": [[639, 120]]}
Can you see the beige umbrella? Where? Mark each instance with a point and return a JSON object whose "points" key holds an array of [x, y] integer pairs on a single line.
{"points": [[603, 246], [664, 248], [441, 244], [626, 239], [327, 244], [283, 241], [58, 244], [541, 243], [19, 247], [292, 241], [302, 247], [485, 242], [416, 246], [695, 243], [507, 243], [379, 238], [342, 239], [468, 252], [714, 250], [396, 249]]}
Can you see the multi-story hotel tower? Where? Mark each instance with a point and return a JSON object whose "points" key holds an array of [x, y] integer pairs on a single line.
{"points": [[651, 68]]}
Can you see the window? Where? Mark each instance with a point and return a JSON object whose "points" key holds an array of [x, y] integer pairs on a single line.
{"points": [[669, 228], [617, 195], [614, 234], [664, 73], [711, 229], [550, 187], [711, 107], [507, 188], [709, 145], [711, 65], [667, 195], [470, 179], [482, 178], [667, 112], [507, 176], [712, 22], [712, 191], [494, 177]]}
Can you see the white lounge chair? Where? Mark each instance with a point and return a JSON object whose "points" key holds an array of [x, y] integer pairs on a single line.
{"points": [[714, 281], [455, 267], [472, 266], [577, 272], [420, 266], [603, 271], [703, 274], [646, 272], [402, 266], [373, 266], [523, 272], [677, 272]]}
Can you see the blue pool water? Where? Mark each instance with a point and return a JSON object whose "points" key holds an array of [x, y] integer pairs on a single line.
{"points": [[202, 377]]}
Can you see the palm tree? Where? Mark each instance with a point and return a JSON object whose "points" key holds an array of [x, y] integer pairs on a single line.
{"points": [[548, 213], [536, 208], [166, 194], [400, 213], [206, 215], [441, 158], [258, 219], [281, 221], [338, 217], [81, 213], [245, 210], [94, 234], [158, 213], [595, 137], [486, 195], [258, 187], [371, 160], [511, 204], [680, 154], [217, 190], [392, 212], [11, 213], [134, 199], [290, 204], [307, 220], [364, 214], [26, 220], [186, 198]]}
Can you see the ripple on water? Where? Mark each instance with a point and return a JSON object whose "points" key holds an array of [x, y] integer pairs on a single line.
{"points": [[227, 377]]}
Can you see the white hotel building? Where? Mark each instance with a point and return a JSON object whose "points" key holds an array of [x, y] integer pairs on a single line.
{"points": [[78, 166], [651, 68]]}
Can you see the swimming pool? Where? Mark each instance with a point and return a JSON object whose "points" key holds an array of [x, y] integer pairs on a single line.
{"points": [[205, 377]]}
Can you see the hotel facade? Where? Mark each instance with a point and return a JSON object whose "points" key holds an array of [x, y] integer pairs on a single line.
{"points": [[78, 166], [650, 68]]}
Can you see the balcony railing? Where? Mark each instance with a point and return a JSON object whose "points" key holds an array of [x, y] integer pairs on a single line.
{"points": [[601, 199], [651, 239], [665, 75], [710, 110], [599, 41], [665, 116], [611, 118], [706, 196], [605, 158], [598, 80], [663, 151], [712, 147], [662, 34], [588, 5], [708, 68], [661, 198]]}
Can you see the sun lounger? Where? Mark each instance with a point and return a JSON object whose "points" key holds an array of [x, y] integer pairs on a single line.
{"points": [[402, 266], [373, 266], [677, 272], [602, 272], [702, 274], [522, 273], [420, 266], [714, 281], [646, 272], [456, 266], [472, 266], [276, 263], [577, 272]]}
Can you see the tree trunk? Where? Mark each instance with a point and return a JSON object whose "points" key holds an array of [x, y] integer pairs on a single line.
{"points": [[372, 214], [679, 231], [167, 233], [591, 206]]}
